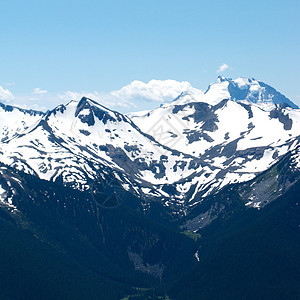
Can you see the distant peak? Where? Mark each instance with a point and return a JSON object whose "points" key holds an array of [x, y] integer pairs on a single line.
{"points": [[88, 110], [10, 108], [250, 90], [244, 80], [241, 89], [222, 79]]}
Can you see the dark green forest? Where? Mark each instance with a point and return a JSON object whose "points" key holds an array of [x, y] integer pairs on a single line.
{"points": [[61, 244]]}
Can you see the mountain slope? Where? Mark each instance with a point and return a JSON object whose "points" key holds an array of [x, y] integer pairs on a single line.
{"points": [[235, 198], [119, 247], [31, 269], [84, 141], [242, 253], [14, 120], [251, 255]]}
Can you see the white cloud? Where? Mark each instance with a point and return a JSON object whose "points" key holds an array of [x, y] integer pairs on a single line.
{"points": [[137, 95], [129, 95], [31, 102], [222, 68], [154, 90], [5, 95], [38, 91]]}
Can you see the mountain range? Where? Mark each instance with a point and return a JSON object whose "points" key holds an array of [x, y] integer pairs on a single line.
{"points": [[186, 176]]}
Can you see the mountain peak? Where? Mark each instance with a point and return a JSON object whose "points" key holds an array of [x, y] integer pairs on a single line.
{"points": [[242, 89], [248, 90], [222, 79], [89, 101], [87, 110], [241, 80]]}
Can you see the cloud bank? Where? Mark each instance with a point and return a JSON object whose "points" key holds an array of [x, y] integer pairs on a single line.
{"points": [[135, 96], [129, 95]]}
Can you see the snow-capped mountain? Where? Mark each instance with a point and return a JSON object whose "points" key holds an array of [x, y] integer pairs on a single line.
{"points": [[178, 153], [194, 122], [238, 128], [84, 141], [188, 175]]}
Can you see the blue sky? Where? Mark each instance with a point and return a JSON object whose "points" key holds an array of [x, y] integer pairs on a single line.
{"points": [[51, 49]]}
